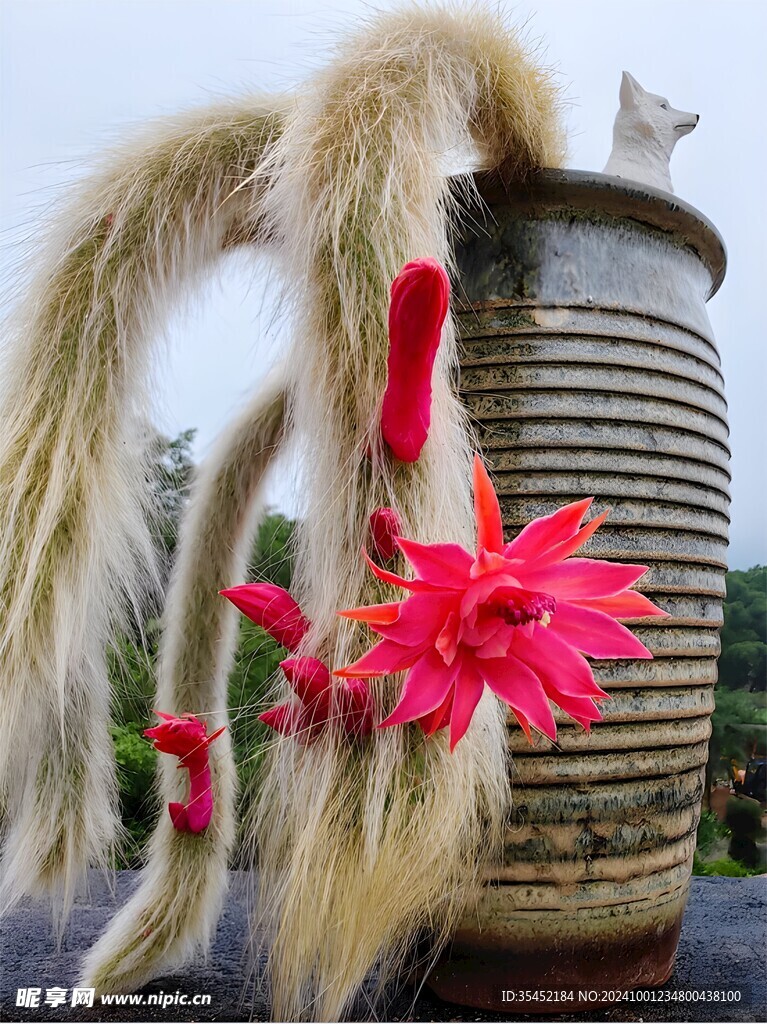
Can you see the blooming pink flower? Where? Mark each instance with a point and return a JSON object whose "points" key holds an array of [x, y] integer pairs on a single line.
{"points": [[385, 525], [420, 295], [272, 608], [516, 617], [187, 738], [320, 703]]}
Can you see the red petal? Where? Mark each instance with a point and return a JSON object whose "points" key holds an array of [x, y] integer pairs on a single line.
{"points": [[380, 614], [441, 565], [562, 550], [426, 686], [543, 533], [525, 725], [629, 605], [384, 659], [420, 620], [468, 689], [487, 511], [595, 633], [517, 684], [580, 578], [565, 675], [397, 581], [420, 296], [439, 717], [559, 666]]}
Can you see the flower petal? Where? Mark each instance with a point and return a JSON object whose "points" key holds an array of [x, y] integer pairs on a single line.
{"points": [[580, 578], [426, 686], [420, 620], [565, 548], [629, 605], [442, 565], [543, 533], [378, 614], [559, 666], [396, 581], [595, 633], [487, 511], [468, 690], [384, 659], [439, 718], [517, 685]]}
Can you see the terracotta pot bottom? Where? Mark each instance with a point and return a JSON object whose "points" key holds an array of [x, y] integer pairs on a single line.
{"points": [[472, 973]]}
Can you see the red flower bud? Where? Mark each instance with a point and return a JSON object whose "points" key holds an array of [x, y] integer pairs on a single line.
{"points": [[187, 738], [273, 609], [420, 296], [385, 525]]}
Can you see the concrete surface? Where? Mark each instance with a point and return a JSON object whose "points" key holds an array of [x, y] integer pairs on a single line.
{"points": [[723, 947]]}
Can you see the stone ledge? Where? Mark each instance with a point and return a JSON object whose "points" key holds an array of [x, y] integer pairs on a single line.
{"points": [[722, 947]]}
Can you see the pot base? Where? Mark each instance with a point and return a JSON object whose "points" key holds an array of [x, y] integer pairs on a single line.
{"points": [[560, 974]]}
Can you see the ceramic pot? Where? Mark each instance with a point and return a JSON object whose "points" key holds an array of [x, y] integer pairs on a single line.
{"points": [[590, 368]]}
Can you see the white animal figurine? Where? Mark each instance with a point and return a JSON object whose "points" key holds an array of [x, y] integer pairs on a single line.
{"points": [[645, 132]]}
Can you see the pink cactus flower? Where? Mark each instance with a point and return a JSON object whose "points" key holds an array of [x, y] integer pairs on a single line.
{"points": [[272, 608], [187, 738], [516, 617], [320, 703], [385, 526], [420, 296]]}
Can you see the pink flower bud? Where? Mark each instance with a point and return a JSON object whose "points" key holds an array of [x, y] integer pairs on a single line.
{"points": [[420, 297], [273, 609], [385, 525], [308, 677], [356, 707], [187, 738]]}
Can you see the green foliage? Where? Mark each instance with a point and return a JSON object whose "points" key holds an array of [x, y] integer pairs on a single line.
{"points": [[724, 866], [171, 468], [743, 662], [136, 763], [738, 723], [709, 830], [254, 676]]}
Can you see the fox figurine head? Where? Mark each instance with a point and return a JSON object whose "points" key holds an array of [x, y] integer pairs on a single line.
{"points": [[645, 132]]}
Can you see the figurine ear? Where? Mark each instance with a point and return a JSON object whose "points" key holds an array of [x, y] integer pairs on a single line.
{"points": [[630, 92]]}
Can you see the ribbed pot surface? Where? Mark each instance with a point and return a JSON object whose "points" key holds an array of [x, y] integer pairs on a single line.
{"points": [[590, 368]]}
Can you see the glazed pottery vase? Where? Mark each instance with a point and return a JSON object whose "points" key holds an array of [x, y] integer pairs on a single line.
{"points": [[589, 367]]}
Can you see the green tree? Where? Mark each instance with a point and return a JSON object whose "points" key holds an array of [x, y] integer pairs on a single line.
{"points": [[743, 662]]}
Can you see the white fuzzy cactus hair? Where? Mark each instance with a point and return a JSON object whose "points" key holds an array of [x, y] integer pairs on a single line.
{"points": [[361, 847]]}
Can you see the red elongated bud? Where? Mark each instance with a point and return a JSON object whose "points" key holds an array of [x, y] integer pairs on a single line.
{"points": [[420, 296], [309, 677], [273, 609], [355, 703], [385, 525]]}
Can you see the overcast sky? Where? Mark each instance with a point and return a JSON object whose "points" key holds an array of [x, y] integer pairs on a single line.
{"points": [[75, 73]]}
